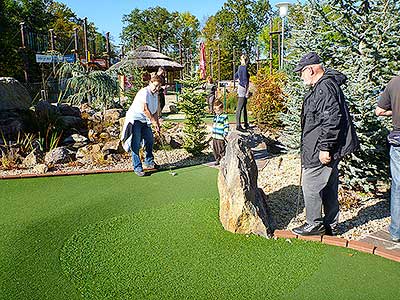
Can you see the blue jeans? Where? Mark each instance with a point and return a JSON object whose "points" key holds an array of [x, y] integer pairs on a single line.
{"points": [[394, 227], [142, 132]]}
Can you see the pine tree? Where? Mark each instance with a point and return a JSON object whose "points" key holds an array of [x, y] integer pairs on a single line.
{"points": [[193, 104], [358, 38]]}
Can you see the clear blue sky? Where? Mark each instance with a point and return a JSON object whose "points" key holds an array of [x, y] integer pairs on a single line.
{"points": [[107, 15]]}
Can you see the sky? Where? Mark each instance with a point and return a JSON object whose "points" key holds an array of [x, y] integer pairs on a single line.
{"points": [[107, 15]]}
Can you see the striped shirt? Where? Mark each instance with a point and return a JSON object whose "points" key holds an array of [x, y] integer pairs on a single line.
{"points": [[220, 126]]}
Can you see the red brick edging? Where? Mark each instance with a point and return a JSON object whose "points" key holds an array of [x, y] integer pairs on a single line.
{"points": [[336, 241], [54, 174]]}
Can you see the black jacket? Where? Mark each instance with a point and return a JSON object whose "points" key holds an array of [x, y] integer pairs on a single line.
{"points": [[325, 121]]}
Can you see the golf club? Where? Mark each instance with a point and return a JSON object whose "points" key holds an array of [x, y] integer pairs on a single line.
{"points": [[166, 156]]}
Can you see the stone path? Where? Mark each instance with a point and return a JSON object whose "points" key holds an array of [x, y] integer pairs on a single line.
{"points": [[382, 239]]}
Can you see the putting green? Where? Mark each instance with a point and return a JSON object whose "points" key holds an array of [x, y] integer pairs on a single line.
{"points": [[182, 252]]}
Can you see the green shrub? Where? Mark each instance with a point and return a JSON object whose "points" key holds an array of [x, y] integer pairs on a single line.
{"points": [[268, 100], [193, 105]]}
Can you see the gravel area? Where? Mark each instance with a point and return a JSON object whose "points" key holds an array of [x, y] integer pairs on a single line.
{"points": [[280, 180]]}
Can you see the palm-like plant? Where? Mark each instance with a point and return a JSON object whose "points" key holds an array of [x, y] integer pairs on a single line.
{"points": [[97, 87]]}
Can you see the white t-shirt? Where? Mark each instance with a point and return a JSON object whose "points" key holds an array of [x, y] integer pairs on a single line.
{"points": [[136, 111]]}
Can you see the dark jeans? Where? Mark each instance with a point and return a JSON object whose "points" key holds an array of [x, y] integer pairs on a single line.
{"points": [[242, 103], [161, 98], [142, 132], [218, 149], [320, 188]]}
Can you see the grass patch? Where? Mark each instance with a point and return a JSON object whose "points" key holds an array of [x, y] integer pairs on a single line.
{"points": [[118, 236]]}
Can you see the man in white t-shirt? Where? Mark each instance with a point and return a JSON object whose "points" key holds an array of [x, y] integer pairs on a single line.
{"points": [[142, 113]]}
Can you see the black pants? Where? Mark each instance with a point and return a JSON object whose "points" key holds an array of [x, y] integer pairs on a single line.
{"points": [[218, 149], [161, 98], [242, 103]]}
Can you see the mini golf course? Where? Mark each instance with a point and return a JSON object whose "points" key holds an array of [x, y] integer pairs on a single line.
{"points": [[118, 236]]}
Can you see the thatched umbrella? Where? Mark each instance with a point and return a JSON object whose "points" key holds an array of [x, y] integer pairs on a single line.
{"points": [[147, 58]]}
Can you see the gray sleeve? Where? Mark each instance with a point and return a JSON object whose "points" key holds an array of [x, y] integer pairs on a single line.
{"points": [[384, 99]]}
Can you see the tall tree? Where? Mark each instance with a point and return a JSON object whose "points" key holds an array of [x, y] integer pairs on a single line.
{"points": [[360, 39], [235, 28], [157, 25]]}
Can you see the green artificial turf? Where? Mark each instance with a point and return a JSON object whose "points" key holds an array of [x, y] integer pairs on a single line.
{"points": [[118, 236]]}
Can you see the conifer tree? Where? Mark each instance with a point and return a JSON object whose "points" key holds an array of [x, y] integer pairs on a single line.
{"points": [[360, 39], [193, 104]]}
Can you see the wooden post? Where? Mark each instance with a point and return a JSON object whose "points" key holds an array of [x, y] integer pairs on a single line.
{"points": [[76, 44], [233, 66], [85, 40], [23, 52], [107, 49]]}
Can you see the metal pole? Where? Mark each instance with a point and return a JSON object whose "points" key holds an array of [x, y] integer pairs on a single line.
{"points": [[270, 46], [219, 63], [283, 37], [159, 44], [211, 68], [279, 49], [180, 59], [233, 66], [22, 34]]}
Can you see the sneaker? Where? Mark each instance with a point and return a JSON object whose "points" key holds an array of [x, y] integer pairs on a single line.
{"points": [[240, 128], [140, 173], [397, 240], [216, 163], [333, 231], [152, 166], [309, 229]]}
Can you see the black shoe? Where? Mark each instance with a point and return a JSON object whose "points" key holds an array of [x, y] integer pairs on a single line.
{"points": [[309, 229], [394, 239], [331, 231], [240, 128], [246, 126]]}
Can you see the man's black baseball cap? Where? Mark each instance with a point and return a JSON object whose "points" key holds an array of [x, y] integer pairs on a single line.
{"points": [[311, 58]]}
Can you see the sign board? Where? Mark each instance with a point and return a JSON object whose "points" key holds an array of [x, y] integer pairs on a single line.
{"points": [[45, 58]]}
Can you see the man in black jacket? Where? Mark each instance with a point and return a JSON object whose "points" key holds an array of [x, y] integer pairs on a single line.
{"points": [[327, 135]]}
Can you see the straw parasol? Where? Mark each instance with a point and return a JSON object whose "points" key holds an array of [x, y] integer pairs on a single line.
{"points": [[147, 58]]}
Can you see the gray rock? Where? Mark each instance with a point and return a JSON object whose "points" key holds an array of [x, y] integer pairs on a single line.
{"points": [[13, 95], [76, 141], [243, 206], [58, 155], [40, 169], [30, 160]]}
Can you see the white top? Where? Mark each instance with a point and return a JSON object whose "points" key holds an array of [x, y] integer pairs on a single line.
{"points": [[136, 110]]}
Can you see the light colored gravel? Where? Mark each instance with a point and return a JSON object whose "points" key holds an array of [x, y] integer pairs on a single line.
{"points": [[280, 180]]}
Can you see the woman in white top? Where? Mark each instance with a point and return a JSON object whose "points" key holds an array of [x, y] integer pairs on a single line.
{"points": [[142, 113]]}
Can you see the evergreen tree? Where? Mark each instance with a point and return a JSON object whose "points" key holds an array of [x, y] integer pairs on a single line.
{"points": [[358, 38], [193, 104]]}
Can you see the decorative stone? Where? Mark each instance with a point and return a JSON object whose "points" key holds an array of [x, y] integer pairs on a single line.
{"points": [[58, 155], [104, 135], [243, 206], [30, 160], [76, 140], [113, 146], [40, 169], [111, 116]]}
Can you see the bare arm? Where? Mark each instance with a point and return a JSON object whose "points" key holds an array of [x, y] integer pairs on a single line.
{"points": [[153, 117], [380, 112]]}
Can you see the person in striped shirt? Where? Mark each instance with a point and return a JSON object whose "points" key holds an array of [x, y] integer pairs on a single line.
{"points": [[219, 131]]}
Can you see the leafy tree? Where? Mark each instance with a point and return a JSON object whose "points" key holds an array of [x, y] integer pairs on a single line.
{"points": [[169, 28], [193, 105], [235, 28]]}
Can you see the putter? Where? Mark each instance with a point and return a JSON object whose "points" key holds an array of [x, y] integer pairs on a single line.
{"points": [[165, 153]]}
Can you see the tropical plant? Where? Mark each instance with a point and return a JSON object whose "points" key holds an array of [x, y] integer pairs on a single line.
{"points": [[194, 107], [98, 88]]}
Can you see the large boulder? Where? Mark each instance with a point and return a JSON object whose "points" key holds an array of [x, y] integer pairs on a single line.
{"points": [[13, 95], [243, 206], [59, 155]]}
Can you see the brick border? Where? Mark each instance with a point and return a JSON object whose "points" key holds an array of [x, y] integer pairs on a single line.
{"points": [[341, 242], [61, 173]]}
